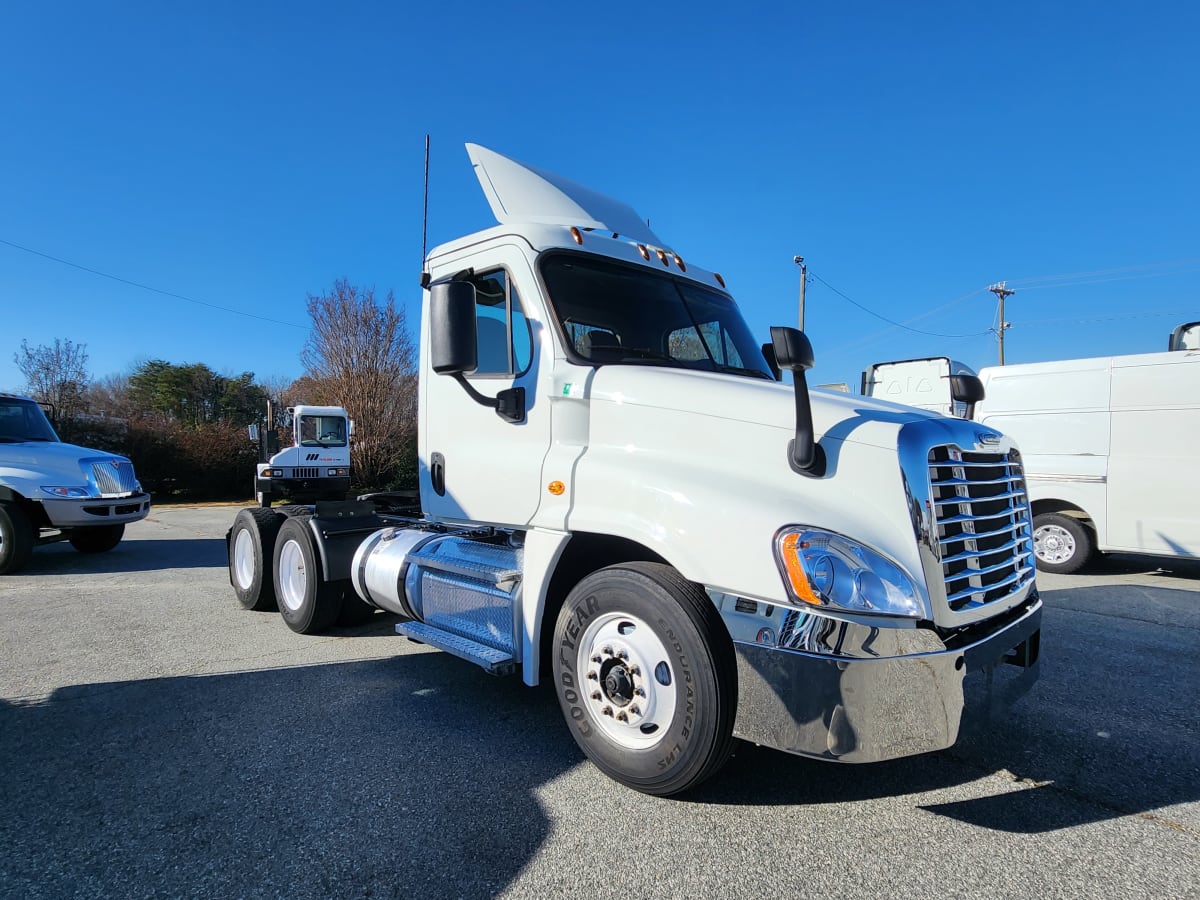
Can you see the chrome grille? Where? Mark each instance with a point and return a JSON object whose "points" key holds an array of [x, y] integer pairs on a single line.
{"points": [[114, 477], [306, 472], [981, 511]]}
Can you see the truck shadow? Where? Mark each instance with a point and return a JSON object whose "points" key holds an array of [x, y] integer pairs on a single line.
{"points": [[143, 555], [376, 778]]}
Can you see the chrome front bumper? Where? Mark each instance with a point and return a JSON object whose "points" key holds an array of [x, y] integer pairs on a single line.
{"points": [[879, 693]]}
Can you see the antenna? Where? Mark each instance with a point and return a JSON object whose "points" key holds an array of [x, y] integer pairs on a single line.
{"points": [[425, 217]]}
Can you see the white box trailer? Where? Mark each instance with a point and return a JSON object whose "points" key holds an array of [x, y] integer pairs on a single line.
{"points": [[1111, 448]]}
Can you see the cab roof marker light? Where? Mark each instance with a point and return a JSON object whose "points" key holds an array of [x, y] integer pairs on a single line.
{"points": [[720, 280], [577, 235], [679, 262], [645, 253], [662, 257]]}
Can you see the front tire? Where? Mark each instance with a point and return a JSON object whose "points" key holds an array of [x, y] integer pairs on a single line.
{"points": [[308, 603], [96, 538], [1061, 544], [251, 550], [16, 539], [646, 677]]}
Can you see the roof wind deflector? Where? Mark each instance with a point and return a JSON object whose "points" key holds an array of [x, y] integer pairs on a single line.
{"points": [[522, 194]]}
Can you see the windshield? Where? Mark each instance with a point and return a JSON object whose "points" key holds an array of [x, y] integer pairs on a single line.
{"points": [[616, 313], [322, 431], [23, 420]]}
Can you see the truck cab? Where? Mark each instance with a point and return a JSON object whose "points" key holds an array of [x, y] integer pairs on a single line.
{"points": [[51, 491], [617, 494], [316, 464]]}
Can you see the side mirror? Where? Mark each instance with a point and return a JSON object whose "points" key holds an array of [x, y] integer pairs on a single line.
{"points": [[1185, 337], [253, 432], [966, 389], [454, 348], [794, 352], [350, 428]]}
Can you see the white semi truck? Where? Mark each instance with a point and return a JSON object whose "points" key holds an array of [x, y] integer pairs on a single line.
{"points": [[617, 493], [51, 491], [314, 466]]}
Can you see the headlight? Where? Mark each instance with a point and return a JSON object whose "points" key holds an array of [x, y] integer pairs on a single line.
{"points": [[831, 571], [66, 491]]}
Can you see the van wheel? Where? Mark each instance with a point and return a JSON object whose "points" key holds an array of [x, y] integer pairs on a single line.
{"points": [[308, 603], [96, 538], [1061, 544], [251, 549], [16, 539], [646, 677]]}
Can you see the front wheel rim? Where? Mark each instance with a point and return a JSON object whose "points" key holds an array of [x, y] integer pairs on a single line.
{"points": [[243, 559], [293, 579], [629, 684], [1053, 544]]}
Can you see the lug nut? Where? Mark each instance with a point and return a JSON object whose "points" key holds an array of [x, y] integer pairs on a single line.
{"points": [[638, 692], [634, 709], [621, 717], [635, 670], [593, 676], [607, 711], [607, 651], [596, 695], [622, 654], [597, 658]]}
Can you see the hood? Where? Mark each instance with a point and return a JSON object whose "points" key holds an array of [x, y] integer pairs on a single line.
{"points": [[43, 460], [836, 416]]}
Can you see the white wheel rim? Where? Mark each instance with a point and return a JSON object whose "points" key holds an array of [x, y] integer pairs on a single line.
{"points": [[626, 665], [1053, 544], [243, 559], [292, 577]]}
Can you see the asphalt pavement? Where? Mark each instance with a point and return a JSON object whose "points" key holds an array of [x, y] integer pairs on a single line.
{"points": [[158, 740]]}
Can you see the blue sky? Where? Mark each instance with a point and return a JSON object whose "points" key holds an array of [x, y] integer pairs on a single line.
{"points": [[245, 155]]}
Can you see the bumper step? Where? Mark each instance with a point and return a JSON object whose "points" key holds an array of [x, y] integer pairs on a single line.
{"points": [[494, 662]]}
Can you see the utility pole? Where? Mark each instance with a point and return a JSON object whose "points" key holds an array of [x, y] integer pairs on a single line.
{"points": [[799, 260], [1001, 292]]}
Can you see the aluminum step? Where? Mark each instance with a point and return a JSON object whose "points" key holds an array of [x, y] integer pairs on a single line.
{"points": [[494, 662]]}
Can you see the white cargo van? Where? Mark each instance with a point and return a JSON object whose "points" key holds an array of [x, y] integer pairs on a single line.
{"points": [[1111, 449], [1110, 445]]}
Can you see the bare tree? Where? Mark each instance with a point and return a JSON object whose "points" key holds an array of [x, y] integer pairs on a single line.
{"points": [[361, 356], [56, 375]]}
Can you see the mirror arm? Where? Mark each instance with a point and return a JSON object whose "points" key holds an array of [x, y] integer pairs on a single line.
{"points": [[509, 404]]}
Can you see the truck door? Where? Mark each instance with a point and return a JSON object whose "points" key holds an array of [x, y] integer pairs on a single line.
{"points": [[475, 466], [1155, 454]]}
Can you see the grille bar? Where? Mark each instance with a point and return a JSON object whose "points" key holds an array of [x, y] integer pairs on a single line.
{"points": [[975, 535], [1018, 577], [973, 554], [306, 472]]}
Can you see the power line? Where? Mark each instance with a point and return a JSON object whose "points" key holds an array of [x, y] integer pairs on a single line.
{"points": [[146, 287], [892, 321]]}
